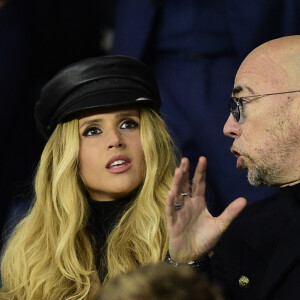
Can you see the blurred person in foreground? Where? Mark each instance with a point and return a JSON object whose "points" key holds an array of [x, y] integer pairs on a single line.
{"points": [[159, 282]]}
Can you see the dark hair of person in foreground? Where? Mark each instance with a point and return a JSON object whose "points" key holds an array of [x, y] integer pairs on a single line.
{"points": [[159, 281]]}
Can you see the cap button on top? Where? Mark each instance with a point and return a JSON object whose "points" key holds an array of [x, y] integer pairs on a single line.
{"points": [[244, 282]]}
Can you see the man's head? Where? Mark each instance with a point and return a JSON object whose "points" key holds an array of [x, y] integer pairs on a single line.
{"points": [[267, 135]]}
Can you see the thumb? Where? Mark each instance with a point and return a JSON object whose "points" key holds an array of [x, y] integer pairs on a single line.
{"points": [[231, 212]]}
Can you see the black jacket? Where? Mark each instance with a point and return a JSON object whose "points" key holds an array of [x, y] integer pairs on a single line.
{"points": [[262, 244]]}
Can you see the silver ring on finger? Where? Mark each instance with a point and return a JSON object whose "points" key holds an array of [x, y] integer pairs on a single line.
{"points": [[178, 206]]}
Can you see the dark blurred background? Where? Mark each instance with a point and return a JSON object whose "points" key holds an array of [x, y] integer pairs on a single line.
{"points": [[37, 38]]}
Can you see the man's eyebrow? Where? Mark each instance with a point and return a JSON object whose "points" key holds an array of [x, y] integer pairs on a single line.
{"points": [[239, 88]]}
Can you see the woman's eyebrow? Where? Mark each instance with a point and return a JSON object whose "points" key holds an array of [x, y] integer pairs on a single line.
{"points": [[128, 114], [88, 122], [119, 115]]}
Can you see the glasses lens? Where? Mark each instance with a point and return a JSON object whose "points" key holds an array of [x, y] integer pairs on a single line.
{"points": [[234, 108]]}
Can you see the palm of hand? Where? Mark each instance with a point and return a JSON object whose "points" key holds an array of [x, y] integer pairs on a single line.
{"points": [[193, 231]]}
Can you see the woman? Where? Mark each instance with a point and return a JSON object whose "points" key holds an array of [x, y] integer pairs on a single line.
{"points": [[101, 184]]}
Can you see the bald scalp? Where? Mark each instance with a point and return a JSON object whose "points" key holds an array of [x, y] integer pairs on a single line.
{"points": [[285, 53]]}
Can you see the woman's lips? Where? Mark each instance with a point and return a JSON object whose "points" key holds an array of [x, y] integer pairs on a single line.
{"points": [[118, 164]]}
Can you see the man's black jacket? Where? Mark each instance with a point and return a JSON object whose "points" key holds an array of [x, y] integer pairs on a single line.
{"points": [[263, 245]]}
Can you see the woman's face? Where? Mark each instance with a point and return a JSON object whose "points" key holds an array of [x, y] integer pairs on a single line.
{"points": [[111, 153]]}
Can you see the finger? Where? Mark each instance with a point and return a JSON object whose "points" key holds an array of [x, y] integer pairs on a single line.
{"points": [[177, 182], [184, 164], [231, 212], [184, 181], [170, 211], [199, 183], [181, 178]]}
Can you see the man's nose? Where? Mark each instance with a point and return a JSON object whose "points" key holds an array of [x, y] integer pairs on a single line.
{"points": [[232, 128]]}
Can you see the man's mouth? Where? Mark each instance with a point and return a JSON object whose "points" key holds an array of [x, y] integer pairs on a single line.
{"points": [[235, 153], [239, 156]]}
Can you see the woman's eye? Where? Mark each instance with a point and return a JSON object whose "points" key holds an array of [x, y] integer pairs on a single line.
{"points": [[129, 124], [91, 131]]}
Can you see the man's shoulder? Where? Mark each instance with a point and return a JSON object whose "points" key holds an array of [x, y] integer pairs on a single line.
{"points": [[264, 216], [280, 202]]}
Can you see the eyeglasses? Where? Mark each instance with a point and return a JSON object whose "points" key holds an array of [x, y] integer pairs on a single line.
{"points": [[236, 104]]}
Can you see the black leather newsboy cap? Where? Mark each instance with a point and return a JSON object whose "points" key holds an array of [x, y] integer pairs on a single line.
{"points": [[98, 82]]}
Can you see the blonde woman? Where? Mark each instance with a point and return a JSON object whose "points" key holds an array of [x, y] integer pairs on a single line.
{"points": [[100, 187]]}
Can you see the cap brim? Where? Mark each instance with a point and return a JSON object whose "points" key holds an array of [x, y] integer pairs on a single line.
{"points": [[105, 100]]}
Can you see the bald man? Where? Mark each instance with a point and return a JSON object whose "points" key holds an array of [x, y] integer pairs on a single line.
{"points": [[258, 257]]}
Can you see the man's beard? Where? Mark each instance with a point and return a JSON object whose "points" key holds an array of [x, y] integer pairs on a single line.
{"points": [[261, 174]]}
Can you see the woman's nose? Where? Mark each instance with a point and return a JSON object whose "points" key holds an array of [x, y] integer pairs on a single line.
{"points": [[115, 139]]}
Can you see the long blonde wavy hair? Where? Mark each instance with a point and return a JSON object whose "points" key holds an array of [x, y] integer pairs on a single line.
{"points": [[50, 254]]}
